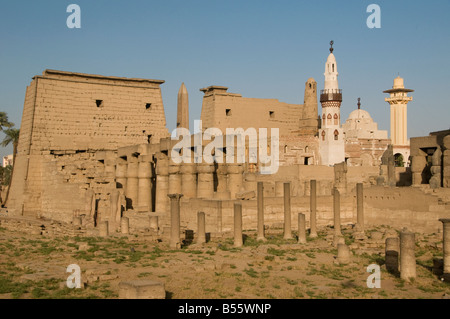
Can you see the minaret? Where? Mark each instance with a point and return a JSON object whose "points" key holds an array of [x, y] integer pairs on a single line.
{"points": [[309, 123], [398, 101], [331, 137], [183, 108]]}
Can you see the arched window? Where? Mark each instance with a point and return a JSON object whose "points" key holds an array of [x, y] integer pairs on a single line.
{"points": [[306, 149], [323, 135], [333, 67], [323, 119], [285, 149], [336, 119], [336, 135], [329, 119]]}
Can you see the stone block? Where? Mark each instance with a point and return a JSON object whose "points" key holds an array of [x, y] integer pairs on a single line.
{"points": [[142, 289], [246, 195]]}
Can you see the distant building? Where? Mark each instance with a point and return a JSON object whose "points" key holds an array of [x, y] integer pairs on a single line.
{"points": [[7, 160], [430, 159], [364, 143], [398, 100]]}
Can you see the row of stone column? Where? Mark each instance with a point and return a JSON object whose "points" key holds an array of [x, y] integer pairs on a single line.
{"points": [[195, 180], [313, 211], [175, 218], [134, 176]]}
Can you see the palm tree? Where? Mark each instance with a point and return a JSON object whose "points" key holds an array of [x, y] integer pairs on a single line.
{"points": [[12, 136], [4, 121]]}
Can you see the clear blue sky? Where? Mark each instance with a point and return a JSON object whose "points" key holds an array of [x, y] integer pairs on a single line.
{"points": [[258, 48]]}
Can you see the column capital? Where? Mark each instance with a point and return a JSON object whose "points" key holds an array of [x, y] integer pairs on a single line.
{"points": [[175, 196], [445, 220]]}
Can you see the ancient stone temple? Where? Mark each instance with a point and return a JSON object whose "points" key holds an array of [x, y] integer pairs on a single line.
{"points": [[72, 127]]}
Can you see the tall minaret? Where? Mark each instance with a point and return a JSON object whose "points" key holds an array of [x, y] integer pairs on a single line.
{"points": [[183, 108], [398, 101], [331, 137]]}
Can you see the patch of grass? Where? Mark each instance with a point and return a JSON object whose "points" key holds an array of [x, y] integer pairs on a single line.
{"points": [[251, 272], [291, 282], [310, 255], [16, 289], [298, 293], [275, 252]]}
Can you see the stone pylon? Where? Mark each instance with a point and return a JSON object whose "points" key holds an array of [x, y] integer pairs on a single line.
{"points": [[183, 108]]}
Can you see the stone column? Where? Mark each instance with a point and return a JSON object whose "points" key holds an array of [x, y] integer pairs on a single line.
{"points": [[153, 220], [205, 182], [90, 203], [260, 235], [113, 203], [391, 255], [446, 245], [446, 163], [125, 226], [145, 185], [418, 163], [201, 231], [301, 229], [436, 169], [343, 254], [407, 255], [238, 241], [235, 179], [162, 183], [313, 209], [188, 180], [103, 229], [174, 178], [222, 182], [337, 211], [121, 174], [175, 239], [131, 191], [360, 207], [391, 171], [287, 211], [121, 205], [250, 183]]}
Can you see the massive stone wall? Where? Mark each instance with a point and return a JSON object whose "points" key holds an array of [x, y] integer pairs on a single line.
{"points": [[223, 110], [67, 117], [430, 162]]}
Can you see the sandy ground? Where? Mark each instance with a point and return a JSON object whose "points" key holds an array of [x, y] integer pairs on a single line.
{"points": [[34, 266]]}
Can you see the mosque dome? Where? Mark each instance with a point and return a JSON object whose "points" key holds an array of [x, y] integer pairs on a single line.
{"points": [[360, 115]]}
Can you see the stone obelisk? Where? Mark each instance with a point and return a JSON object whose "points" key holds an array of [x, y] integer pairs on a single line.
{"points": [[183, 108]]}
